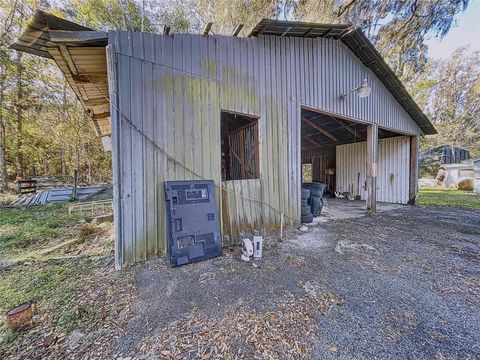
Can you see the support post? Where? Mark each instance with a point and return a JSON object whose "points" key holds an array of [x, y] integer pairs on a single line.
{"points": [[75, 184], [372, 158], [413, 175]]}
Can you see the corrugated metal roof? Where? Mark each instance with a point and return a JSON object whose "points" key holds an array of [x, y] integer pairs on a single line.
{"points": [[36, 39], [80, 54], [359, 44], [57, 195]]}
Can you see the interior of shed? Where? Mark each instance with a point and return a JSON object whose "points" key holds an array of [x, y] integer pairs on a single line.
{"points": [[321, 133], [240, 146]]}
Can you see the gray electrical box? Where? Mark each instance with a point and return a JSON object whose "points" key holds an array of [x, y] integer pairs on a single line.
{"points": [[193, 226]]}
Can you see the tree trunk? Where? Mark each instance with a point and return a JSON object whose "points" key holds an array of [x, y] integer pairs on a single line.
{"points": [[3, 172], [20, 160], [3, 167], [62, 150]]}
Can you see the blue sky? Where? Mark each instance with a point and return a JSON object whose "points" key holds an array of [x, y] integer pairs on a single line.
{"points": [[467, 32]]}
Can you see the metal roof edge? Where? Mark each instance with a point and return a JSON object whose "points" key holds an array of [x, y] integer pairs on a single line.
{"points": [[413, 109], [348, 37]]}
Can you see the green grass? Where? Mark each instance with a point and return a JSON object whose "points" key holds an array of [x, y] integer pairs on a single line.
{"points": [[68, 293], [20, 228], [53, 287], [448, 197]]}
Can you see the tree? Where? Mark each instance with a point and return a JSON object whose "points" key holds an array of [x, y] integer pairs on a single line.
{"points": [[227, 14], [449, 93], [43, 129], [7, 22], [397, 28]]}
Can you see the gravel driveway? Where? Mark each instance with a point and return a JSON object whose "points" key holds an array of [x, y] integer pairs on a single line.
{"points": [[403, 284]]}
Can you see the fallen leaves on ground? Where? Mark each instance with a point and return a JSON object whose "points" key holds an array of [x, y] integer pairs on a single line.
{"points": [[287, 332]]}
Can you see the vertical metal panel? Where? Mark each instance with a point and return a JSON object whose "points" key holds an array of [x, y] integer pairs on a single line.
{"points": [[392, 170], [351, 160], [172, 88], [115, 123]]}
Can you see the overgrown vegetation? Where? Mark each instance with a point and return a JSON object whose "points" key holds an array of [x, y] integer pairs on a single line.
{"points": [[74, 288], [44, 130], [448, 197], [23, 228]]}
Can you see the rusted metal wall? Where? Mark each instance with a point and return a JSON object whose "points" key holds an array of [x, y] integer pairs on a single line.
{"points": [[169, 93], [392, 171]]}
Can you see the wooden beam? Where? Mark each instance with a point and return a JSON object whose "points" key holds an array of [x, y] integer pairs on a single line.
{"points": [[317, 127], [95, 101], [77, 36], [100, 116], [207, 28], [90, 78], [308, 32], [286, 31], [313, 142], [312, 148], [68, 59], [413, 175], [372, 159], [30, 50], [346, 127], [237, 30]]}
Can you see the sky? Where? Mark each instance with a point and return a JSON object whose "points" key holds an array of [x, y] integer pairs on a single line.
{"points": [[467, 32]]}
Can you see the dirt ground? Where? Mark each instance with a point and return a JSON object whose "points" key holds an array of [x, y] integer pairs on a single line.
{"points": [[401, 284]]}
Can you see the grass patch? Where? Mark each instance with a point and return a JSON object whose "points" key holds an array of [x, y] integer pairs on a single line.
{"points": [[53, 282], [21, 228], [448, 197], [83, 293]]}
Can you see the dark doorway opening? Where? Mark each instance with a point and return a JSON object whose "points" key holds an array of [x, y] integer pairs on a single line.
{"points": [[240, 146]]}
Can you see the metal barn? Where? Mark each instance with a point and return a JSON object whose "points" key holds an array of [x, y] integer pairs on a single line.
{"points": [[246, 112]]}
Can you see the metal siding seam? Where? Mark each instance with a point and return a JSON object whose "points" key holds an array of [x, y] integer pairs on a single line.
{"points": [[312, 71], [295, 113], [159, 126], [116, 163], [281, 126], [136, 96], [271, 143], [324, 65], [289, 161], [125, 134], [187, 106], [204, 103], [274, 191], [149, 158]]}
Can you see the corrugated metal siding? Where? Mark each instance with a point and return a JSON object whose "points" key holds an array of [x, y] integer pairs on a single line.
{"points": [[351, 160], [173, 87], [392, 169]]}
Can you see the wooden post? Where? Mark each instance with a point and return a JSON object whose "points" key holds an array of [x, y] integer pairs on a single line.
{"points": [[75, 184], [372, 155], [281, 225], [413, 175]]}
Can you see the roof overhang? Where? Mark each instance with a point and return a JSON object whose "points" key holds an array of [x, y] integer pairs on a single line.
{"points": [[80, 54], [359, 44]]}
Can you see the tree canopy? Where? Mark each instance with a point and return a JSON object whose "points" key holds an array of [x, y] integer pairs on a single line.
{"points": [[44, 130]]}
